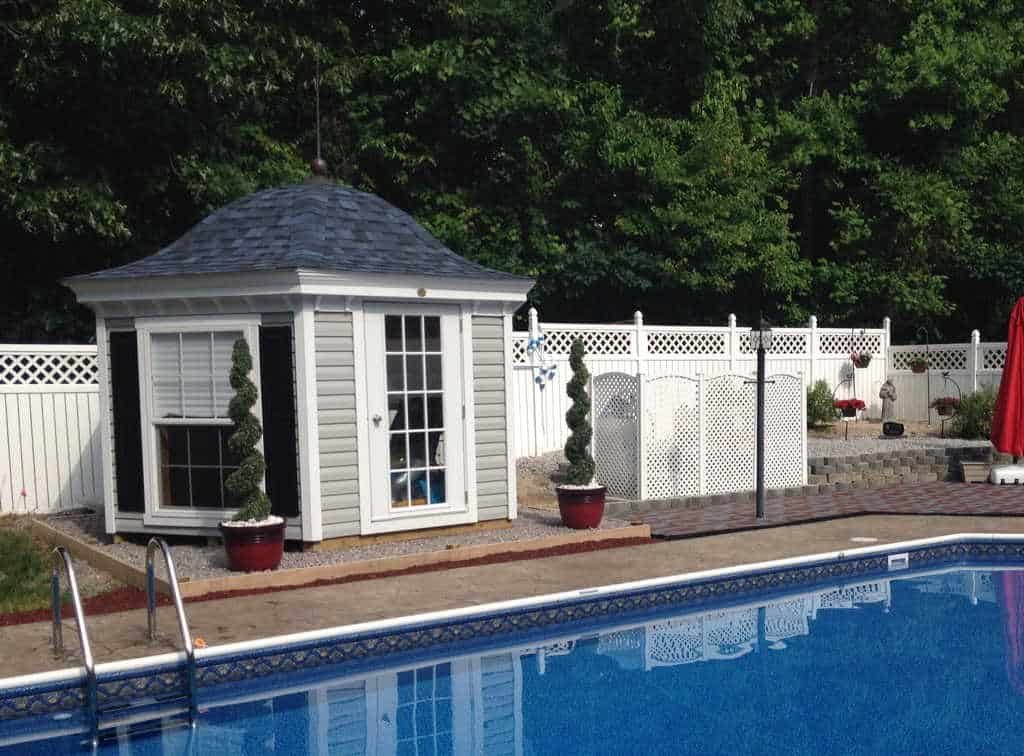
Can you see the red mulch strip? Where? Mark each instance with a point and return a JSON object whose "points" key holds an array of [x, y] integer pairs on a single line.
{"points": [[127, 598]]}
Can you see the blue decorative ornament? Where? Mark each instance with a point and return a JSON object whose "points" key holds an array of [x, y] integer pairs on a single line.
{"points": [[545, 373]]}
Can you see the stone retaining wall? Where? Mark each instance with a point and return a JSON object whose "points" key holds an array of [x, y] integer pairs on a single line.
{"points": [[834, 474]]}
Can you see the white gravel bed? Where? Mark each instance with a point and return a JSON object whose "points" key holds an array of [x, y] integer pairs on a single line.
{"points": [[196, 561], [829, 447]]}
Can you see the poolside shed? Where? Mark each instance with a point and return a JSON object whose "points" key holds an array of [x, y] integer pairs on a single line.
{"points": [[382, 360]]}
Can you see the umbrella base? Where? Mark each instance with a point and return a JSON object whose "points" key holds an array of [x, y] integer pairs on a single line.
{"points": [[1007, 475]]}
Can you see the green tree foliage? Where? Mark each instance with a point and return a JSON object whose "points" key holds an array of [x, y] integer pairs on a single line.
{"points": [[690, 159], [577, 447], [973, 417], [243, 485], [820, 410]]}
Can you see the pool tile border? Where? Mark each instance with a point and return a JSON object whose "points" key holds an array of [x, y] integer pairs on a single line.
{"points": [[120, 690]]}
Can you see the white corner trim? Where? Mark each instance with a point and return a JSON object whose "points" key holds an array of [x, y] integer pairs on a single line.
{"points": [[307, 414], [106, 425], [469, 421], [510, 456], [363, 456]]}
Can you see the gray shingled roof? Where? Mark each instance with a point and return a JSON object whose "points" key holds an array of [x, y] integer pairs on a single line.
{"points": [[317, 226]]}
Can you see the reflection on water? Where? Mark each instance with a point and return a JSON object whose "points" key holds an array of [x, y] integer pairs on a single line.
{"points": [[593, 693]]}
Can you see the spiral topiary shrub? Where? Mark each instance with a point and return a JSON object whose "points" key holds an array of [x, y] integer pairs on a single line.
{"points": [[244, 483], [577, 448]]}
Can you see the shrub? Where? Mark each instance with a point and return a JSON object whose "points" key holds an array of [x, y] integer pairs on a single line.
{"points": [[819, 405], [974, 415], [577, 448], [244, 483]]}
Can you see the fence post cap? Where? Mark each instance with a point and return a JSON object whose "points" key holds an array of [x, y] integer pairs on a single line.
{"points": [[812, 322], [638, 318], [975, 336], [732, 320]]}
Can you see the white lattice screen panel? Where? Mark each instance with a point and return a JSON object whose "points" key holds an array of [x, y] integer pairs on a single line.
{"points": [[993, 358], [785, 429], [782, 343], [848, 343], [686, 342], [946, 358], [671, 438], [48, 368], [728, 406], [616, 398], [787, 619], [673, 642], [598, 343], [519, 354]]}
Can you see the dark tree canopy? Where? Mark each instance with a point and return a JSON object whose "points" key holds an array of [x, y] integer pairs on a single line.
{"points": [[689, 159]]}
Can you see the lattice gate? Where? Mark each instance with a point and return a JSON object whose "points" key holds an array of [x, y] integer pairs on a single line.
{"points": [[675, 436]]}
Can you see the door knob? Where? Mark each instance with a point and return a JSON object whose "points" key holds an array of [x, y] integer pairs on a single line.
{"points": [[376, 419]]}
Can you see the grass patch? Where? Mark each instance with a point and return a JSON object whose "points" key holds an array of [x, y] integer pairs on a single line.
{"points": [[24, 573]]}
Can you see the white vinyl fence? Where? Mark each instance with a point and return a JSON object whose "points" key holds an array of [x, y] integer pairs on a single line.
{"points": [[50, 456], [675, 436], [539, 407], [974, 366]]}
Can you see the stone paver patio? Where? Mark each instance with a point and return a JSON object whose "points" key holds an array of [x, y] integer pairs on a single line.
{"points": [[937, 498], [121, 635]]}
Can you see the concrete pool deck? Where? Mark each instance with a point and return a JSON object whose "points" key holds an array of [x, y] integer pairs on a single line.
{"points": [[121, 635]]}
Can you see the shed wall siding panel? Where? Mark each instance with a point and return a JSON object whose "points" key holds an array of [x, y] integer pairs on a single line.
{"points": [[336, 424], [490, 421]]}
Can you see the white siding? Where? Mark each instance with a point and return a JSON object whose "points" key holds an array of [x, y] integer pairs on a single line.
{"points": [[336, 400], [490, 421]]}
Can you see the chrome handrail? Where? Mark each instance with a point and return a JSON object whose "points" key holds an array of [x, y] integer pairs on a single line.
{"points": [[186, 636], [61, 557]]}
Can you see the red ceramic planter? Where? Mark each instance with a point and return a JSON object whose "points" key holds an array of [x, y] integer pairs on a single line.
{"points": [[581, 508], [254, 549]]}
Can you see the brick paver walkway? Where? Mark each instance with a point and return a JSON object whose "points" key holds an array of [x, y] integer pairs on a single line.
{"points": [[921, 498]]}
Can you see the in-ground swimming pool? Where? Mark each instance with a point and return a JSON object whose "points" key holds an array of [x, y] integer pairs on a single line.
{"points": [[845, 657]]}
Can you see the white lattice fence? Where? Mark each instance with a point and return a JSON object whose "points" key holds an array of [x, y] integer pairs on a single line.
{"points": [[50, 455], [697, 436]]}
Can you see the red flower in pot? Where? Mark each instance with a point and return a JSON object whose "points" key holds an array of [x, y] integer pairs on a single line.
{"points": [[849, 407], [945, 405]]}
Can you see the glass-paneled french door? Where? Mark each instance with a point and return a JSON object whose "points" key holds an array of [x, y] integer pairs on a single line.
{"points": [[415, 397]]}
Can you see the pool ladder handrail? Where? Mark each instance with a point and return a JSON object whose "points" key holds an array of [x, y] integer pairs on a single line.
{"points": [[61, 557], [172, 580]]}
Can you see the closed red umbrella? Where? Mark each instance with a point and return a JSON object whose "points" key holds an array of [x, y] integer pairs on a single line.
{"points": [[1008, 419]]}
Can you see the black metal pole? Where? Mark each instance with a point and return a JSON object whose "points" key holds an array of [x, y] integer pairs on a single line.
{"points": [[760, 432]]}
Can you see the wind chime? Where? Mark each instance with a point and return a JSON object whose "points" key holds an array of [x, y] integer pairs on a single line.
{"points": [[545, 371]]}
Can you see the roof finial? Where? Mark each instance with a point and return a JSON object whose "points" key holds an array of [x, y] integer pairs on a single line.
{"points": [[318, 165]]}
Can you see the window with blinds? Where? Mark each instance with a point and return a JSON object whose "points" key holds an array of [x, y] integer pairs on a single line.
{"points": [[190, 374]]}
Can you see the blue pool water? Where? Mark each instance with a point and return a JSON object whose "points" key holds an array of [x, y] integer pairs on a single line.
{"points": [[928, 663]]}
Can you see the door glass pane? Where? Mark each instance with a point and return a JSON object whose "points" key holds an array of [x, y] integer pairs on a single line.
{"points": [[432, 334], [437, 487], [396, 380], [396, 413], [435, 449], [417, 450], [416, 418], [434, 372], [418, 479], [414, 372], [413, 336], [435, 412], [392, 333], [400, 489], [398, 455]]}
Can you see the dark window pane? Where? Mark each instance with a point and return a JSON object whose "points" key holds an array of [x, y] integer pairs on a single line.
{"points": [[434, 372], [398, 456], [443, 672], [435, 451], [432, 334], [204, 446], [395, 373], [413, 337], [403, 719], [406, 686], [393, 333], [396, 413], [419, 487], [425, 719], [229, 500], [416, 412], [417, 450], [175, 487], [400, 489], [206, 487], [437, 491], [435, 411], [174, 445], [414, 372], [228, 459]]}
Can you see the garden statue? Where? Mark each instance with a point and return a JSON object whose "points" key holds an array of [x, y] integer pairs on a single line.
{"points": [[888, 396], [891, 428]]}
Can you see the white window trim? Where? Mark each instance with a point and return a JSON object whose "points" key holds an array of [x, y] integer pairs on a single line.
{"points": [[155, 514], [437, 516]]}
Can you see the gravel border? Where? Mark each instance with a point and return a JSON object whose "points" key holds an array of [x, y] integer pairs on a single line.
{"points": [[195, 560]]}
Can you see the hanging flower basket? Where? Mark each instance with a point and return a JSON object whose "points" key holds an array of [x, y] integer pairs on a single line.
{"points": [[849, 407], [860, 359], [945, 405], [919, 365]]}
